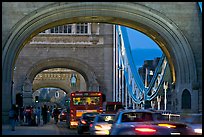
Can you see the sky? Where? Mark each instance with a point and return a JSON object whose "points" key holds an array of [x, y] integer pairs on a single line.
{"points": [[142, 47], [200, 5]]}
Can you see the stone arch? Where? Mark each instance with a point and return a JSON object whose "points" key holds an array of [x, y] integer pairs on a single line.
{"points": [[54, 85], [81, 67], [186, 100], [134, 15]]}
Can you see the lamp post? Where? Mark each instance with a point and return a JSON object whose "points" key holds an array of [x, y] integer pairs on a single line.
{"points": [[158, 102], [165, 90], [73, 80]]}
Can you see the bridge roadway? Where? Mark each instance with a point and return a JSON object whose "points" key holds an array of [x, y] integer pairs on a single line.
{"points": [[48, 129]]}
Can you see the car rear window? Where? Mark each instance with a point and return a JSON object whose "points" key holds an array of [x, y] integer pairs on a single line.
{"points": [[105, 118], [137, 117]]}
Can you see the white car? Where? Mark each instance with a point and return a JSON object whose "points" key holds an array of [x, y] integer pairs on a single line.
{"points": [[146, 122], [101, 125]]}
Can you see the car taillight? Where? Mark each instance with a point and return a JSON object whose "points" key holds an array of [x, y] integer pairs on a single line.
{"points": [[166, 125], [83, 121], [90, 125], [145, 130]]}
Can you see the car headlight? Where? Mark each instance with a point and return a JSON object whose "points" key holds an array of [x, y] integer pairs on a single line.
{"points": [[198, 130]]}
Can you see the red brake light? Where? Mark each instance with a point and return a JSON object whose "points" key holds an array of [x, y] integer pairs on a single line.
{"points": [[72, 94], [91, 125], [145, 130], [99, 94]]}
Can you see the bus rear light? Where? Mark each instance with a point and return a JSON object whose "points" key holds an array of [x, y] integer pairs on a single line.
{"points": [[72, 111], [99, 94], [73, 123], [72, 94], [72, 115]]}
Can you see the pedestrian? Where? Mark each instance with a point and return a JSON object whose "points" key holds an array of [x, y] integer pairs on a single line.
{"points": [[48, 113], [38, 114], [56, 114], [33, 117], [12, 117], [44, 114], [21, 115]]}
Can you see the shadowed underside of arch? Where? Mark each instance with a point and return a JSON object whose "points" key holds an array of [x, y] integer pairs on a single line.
{"points": [[154, 24], [69, 63], [134, 15]]}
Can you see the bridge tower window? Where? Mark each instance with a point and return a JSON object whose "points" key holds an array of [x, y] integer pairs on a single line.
{"points": [[82, 28], [57, 94]]}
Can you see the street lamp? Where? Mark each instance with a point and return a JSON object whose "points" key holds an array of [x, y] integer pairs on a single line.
{"points": [[158, 102], [73, 80], [165, 90]]}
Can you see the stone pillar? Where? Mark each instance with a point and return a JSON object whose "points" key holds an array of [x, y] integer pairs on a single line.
{"points": [[27, 92]]}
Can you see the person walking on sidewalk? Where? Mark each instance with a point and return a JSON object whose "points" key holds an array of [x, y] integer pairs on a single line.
{"points": [[44, 114], [12, 117], [56, 114], [38, 114]]}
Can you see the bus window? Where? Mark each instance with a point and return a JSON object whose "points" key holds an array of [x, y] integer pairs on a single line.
{"points": [[82, 102]]}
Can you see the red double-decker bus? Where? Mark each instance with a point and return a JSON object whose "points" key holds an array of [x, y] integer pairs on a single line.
{"points": [[82, 102]]}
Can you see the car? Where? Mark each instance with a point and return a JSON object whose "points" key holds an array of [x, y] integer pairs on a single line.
{"points": [[84, 122], [140, 129], [60, 109], [130, 119], [100, 126], [194, 121], [63, 115]]}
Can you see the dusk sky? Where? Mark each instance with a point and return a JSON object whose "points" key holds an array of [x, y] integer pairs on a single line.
{"points": [[143, 47]]}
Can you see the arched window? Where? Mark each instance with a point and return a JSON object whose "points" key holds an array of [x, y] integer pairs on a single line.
{"points": [[57, 94], [186, 100]]}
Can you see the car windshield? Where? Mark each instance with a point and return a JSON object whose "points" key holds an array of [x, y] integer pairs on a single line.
{"points": [[137, 117]]}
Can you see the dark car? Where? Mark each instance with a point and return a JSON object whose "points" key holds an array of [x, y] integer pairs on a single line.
{"points": [[194, 121], [63, 115], [135, 120], [84, 122], [140, 129], [101, 125], [60, 109]]}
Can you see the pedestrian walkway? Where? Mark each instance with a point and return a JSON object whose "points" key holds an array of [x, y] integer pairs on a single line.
{"points": [[48, 129]]}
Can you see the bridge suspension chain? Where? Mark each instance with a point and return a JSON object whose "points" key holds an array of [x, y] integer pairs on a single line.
{"points": [[136, 88]]}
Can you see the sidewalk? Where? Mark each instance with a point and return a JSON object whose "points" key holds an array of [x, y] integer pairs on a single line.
{"points": [[48, 129]]}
